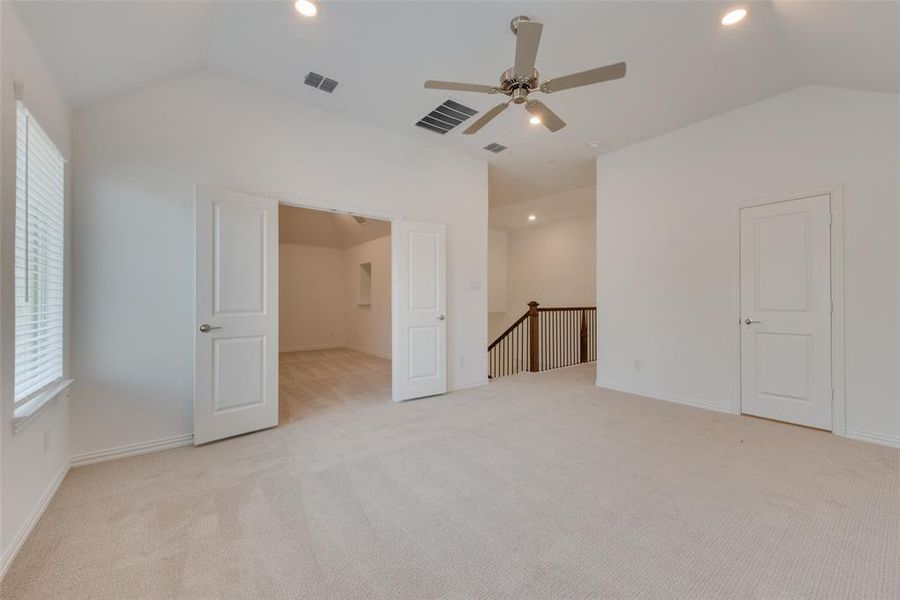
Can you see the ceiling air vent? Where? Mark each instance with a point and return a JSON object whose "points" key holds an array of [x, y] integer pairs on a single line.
{"points": [[320, 82], [445, 117], [495, 147]]}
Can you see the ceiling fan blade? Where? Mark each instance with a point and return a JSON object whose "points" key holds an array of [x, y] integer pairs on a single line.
{"points": [[528, 38], [598, 75], [460, 87], [549, 118], [485, 118]]}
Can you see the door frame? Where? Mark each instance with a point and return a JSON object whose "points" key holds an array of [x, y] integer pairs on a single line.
{"points": [[336, 207], [835, 194]]}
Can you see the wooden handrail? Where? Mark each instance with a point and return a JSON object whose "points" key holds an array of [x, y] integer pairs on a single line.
{"points": [[508, 329], [562, 337]]}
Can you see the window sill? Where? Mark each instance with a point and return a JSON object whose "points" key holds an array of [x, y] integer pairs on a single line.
{"points": [[24, 414]]}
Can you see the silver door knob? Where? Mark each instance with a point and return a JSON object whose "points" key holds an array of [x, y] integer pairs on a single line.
{"points": [[207, 328], [749, 321], [441, 317]]}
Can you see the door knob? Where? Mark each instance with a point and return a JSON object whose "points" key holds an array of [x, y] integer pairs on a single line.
{"points": [[749, 321], [207, 328], [441, 317]]}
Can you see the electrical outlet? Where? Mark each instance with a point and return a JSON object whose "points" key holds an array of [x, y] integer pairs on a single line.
{"points": [[637, 364], [462, 361]]}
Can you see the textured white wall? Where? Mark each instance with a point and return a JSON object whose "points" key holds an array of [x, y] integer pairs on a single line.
{"points": [[666, 237], [319, 298], [138, 160], [368, 328], [311, 297], [27, 470], [498, 271]]}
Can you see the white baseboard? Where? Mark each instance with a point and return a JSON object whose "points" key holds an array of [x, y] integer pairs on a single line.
{"points": [[89, 458], [861, 436], [873, 438], [307, 348], [28, 526], [467, 386], [665, 397], [386, 356]]}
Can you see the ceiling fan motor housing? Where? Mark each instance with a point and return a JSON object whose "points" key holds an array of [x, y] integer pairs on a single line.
{"points": [[514, 24], [516, 87]]}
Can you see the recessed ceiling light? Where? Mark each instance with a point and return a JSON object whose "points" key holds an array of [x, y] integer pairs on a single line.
{"points": [[734, 17], [535, 120], [307, 8], [532, 217], [593, 144]]}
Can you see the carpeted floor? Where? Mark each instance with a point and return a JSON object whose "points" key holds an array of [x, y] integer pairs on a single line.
{"points": [[536, 486]]}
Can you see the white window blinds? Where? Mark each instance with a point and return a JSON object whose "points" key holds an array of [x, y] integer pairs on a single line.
{"points": [[40, 258]]}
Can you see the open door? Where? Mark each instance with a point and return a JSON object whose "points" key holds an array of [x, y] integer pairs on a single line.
{"points": [[236, 320], [419, 315]]}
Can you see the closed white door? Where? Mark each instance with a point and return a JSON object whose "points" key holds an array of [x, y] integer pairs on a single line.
{"points": [[420, 316], [236, 320], [786, 311]]}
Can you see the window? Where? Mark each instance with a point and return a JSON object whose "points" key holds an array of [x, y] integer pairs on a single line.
{"points": [[40, 259]]}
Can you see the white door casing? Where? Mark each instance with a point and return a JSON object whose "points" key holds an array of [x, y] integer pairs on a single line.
{"points": [[785, 297], [419, 340], [236, 295]]}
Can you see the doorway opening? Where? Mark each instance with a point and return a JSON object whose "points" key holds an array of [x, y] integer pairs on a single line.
{"points": [[542, 291], [236, 304], [334, 311]]}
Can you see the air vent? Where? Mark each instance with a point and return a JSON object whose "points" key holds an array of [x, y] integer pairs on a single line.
{"points": [[320, 82], [495, 147], [360, 220], [445, 117]]}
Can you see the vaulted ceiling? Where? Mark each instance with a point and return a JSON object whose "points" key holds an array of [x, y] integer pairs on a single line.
{"points": [[683, 66], [308, 227]]}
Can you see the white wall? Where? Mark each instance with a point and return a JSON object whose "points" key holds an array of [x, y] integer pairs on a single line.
{"points": [[553, 264], [368, 328], [319, 298], [666, 263], [28, 472], [498, 271], [138, 159], [311, 297]]}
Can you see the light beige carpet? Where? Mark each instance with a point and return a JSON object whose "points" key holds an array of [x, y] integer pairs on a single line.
{"points": [[536, 486]]}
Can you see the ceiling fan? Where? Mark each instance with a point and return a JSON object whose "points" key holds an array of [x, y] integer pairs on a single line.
{"points": [[522, 79]]}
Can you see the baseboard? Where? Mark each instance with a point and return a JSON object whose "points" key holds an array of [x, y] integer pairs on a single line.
{"points": [[28, 526], [386, 356], [89, 458], [307, 348], [873, 438], [665, 397], [467, 386]]}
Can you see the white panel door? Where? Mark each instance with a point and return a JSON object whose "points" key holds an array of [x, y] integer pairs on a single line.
{"points": [[786, 311], [236, 318], [420, 300]]}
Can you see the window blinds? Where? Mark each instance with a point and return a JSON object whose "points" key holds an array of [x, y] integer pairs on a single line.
{"points": [[39, 258]]}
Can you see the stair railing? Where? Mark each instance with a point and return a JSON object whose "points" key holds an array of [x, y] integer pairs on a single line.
{"points": [[543, 339]]}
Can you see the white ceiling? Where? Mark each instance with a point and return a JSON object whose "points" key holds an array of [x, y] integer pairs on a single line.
{"points": [[683, 66], [308, 227], [578, 203]]}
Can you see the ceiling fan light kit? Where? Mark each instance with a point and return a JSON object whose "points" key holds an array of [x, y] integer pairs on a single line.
{"points": [[523, 79]]}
